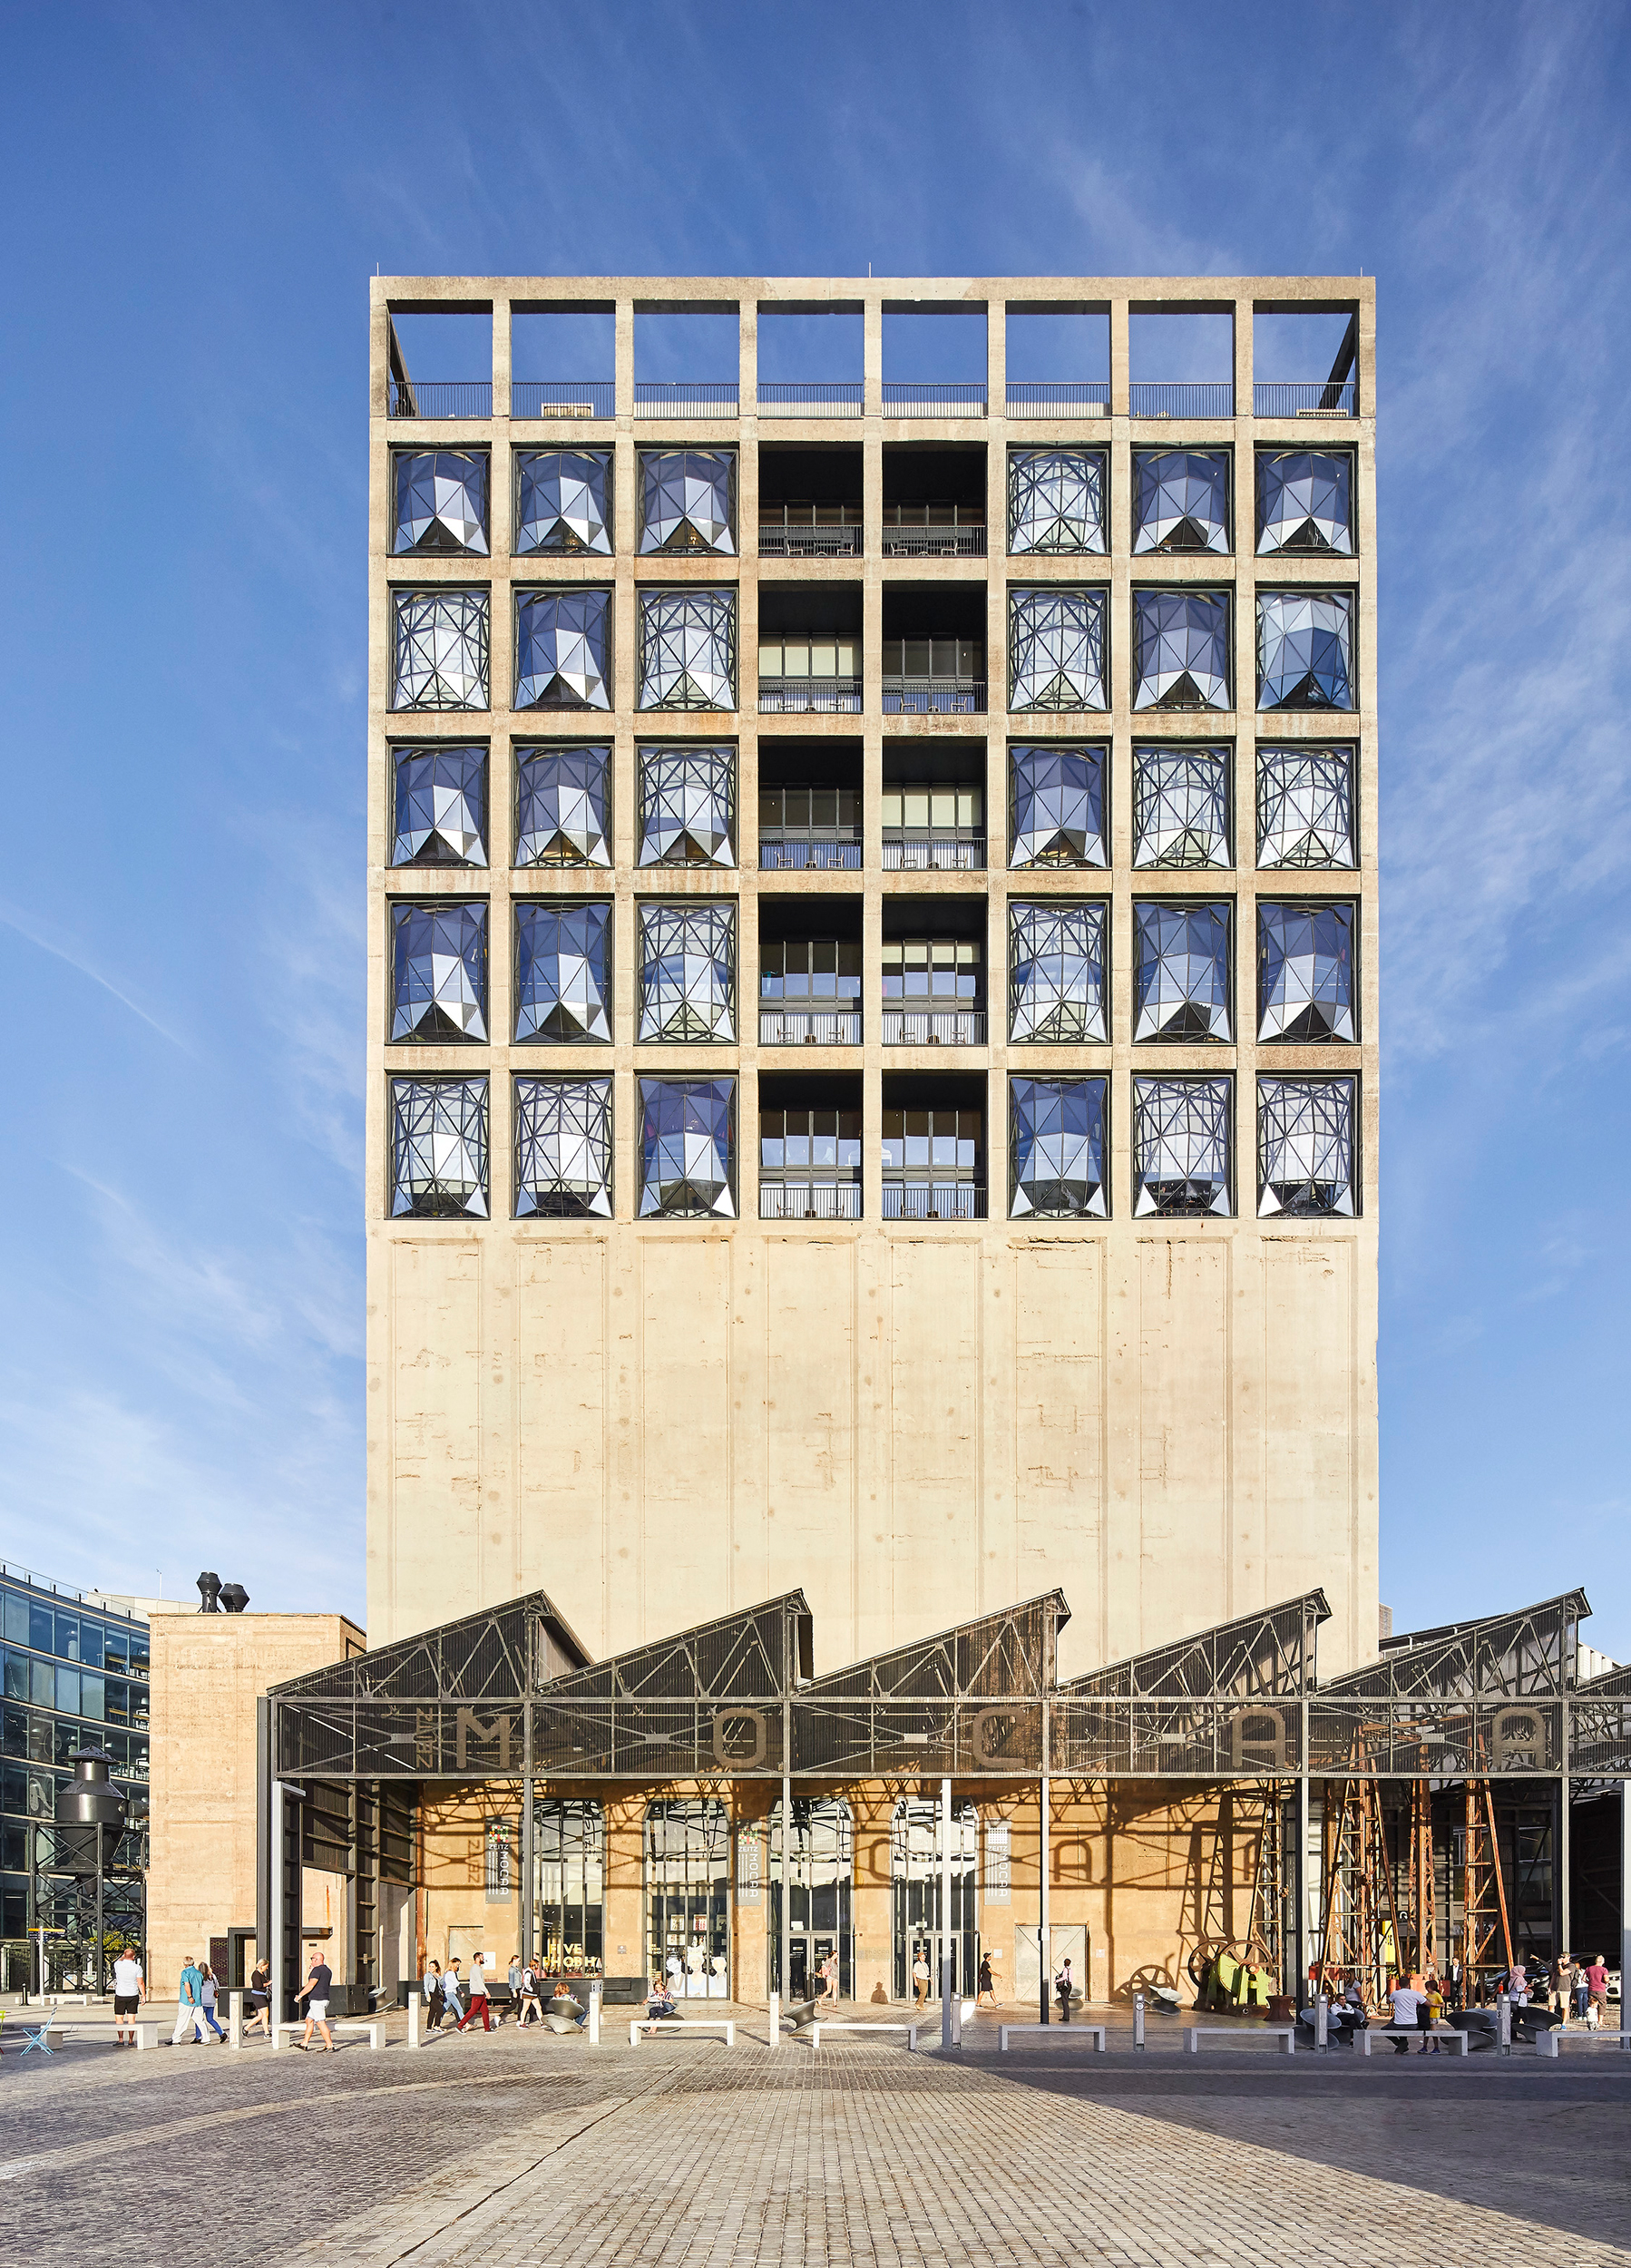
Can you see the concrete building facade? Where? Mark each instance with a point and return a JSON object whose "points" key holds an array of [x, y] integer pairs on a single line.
{"points": [[948, 815]]}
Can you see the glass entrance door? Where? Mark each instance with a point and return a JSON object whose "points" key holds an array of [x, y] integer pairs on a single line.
{"points": [[914, 1846], [687, 1897], [821, 1865], [568, 1865]]}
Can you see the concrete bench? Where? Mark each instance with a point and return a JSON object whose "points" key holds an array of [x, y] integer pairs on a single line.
{"points": [[1198, 2032], [147, 2035], [911, 2031], [682, 2024], [1095, 2032], [1555, 2038], [375, 2029], [1446, 2034], [42, 2035]]}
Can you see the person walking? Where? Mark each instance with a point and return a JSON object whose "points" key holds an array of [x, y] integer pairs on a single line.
{"points": [[1596, 1985], [829, 1973], [430, 1984], [514, 1974], [920, 1978], [129, 1985], [530, 1998], [1064, 1985], [986, 1995], [1582, 1990], [189, 2016], [453, 1991], [207, 2000], [315, 1992], [259, 1998], [478, 1994]]}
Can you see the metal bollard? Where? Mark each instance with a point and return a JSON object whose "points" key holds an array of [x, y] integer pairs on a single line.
{"points": [[775, 2020], [1503, 2018], [594, 2016], [415, 2005], [235, 2019], [1322, 2023], [1138, 2021]]}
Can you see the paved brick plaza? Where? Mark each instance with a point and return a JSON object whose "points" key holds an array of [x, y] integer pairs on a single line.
{"points": [[532, 2149]]}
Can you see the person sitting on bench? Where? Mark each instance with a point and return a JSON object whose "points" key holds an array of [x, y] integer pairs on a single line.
{"points": [[1406, 2002], [661, 2002]]}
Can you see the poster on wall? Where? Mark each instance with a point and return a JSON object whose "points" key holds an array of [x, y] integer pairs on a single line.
{"points": [[749, 1870], [999, 1866]]}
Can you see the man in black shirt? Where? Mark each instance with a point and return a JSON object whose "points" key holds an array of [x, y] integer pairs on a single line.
{"points": [[315, 1992]]}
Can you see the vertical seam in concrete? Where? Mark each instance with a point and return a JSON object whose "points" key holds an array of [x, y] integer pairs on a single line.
{"points": [[608, 1456]]}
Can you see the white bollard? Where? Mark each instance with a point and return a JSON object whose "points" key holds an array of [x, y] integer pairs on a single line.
{"points": [[775, 2020], [235, 2019], [1322, 2023], [415, 2005], [594, 2016], [1503, 2018], [1138, 2021]]}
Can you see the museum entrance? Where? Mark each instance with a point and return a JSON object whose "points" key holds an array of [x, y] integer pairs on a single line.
{"points": [[915, 1877], [821, 1867], [687, 1897]]}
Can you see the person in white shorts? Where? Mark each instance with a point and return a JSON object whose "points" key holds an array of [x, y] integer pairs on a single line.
{"points": [[315, 1991], [129, 1985]]}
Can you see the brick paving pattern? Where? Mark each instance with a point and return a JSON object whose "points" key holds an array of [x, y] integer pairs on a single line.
{"points": [[504, 2150]]}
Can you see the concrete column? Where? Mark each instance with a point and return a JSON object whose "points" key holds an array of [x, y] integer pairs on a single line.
{"points": [[501, 359], [996, 359], [1243, 386], [748, 358], [623, 402], [1118, 358], [872, 366]]}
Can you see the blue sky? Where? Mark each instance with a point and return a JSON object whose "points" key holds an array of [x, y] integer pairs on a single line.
{"points": [[197, 197]]}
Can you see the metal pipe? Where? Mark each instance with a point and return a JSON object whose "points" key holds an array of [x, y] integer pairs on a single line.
{"points": [[1625, 1892], [1561, 1917], [1043, 1929], [1302, 1874], [947, 1957]]}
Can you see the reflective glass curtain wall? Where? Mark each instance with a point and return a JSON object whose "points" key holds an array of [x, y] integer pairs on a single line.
{"points": [[569, 1887], [688, 1896]]}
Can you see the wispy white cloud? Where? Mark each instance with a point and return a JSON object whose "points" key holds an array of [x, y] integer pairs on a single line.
{"points": [[30, 926]]}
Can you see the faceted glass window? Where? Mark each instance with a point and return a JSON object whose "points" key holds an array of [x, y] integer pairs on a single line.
{"points": [[1180, 500], [687, 648], [1307, 1147], [438, 971], [563, 971], [1306, 500], [1181, 1146], [439, 806], [439, 650], [1181, 649], [563, 806], [687, 1149], [1181, 808], [562, 649], [441, 499], [1305, 990], [687, 807], [563, 500], [688, 971], [1305, 807], [1056, 500], [1056, 650], [1058, 1148], [562, 1148], [688, 500], [1304, 650], [1056, 987], [439, 1148], [1180, 971], [1058, 797]]}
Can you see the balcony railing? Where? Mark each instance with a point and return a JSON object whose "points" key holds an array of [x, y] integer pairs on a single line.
{"points": [[934, 697], [794, 399], [921, 541], [561, 397], [809, 1200], [824, 697], [922, 400], [457, 397], [1321, 397], [810, 1027], [911, 853], [933, 1200], [805, 850], [932, 1027], [1212, 400], [1047, 400], [792, 539], [685, 397]]}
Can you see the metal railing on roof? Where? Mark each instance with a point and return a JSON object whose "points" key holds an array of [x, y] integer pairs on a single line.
{"points": [[796, 397], [783, 540], [686, 397], [922, 398], [933, 1200], [934, 697], [563, 397], [809, 1200], [912, 541], [1045, 399], [810, 1027], [906, 852], [1214, 399], [438, 398], [1319, 397], [100, 1601], [932, 1027], [797, 850], [789, 697]]}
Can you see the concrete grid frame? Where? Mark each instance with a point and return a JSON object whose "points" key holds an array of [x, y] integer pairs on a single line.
{"points": [[1173, 1419]]}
